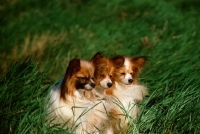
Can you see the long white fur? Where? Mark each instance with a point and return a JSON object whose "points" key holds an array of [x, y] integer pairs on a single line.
{"points": [[137, 92], [61, 111], [126, 98], [78, 111]]}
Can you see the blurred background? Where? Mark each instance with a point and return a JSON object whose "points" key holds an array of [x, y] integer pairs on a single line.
{"points": [[59, 30], [55, 31]]}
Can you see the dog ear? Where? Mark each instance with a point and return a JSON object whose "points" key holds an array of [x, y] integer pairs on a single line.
{"points": [[139, 61], [96, 57], [118, 61], [73, 67]]}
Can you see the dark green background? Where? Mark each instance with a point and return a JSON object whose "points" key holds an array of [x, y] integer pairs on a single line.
{"points": [[56, 31]]}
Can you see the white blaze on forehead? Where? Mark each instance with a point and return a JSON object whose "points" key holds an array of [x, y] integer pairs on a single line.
{"points": [[127, 63], [126, 78], [104, 82]]}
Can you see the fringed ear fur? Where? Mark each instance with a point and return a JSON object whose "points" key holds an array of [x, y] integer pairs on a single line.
{"points": [[97, 56], [73, 67], [139, 61]]}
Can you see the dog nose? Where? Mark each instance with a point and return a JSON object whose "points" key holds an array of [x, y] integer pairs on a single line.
{"points": [[109, 84], [92, 85], [130, 81]]}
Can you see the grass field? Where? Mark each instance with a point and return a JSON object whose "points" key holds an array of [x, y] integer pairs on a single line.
{"points": [[54, 32]]}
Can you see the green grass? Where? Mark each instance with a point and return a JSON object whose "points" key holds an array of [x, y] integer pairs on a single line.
{"points": [[54, 32]]}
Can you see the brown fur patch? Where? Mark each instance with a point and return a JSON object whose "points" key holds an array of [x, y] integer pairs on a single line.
{"points": [[77, 68], [67, 84], [108, 91], [136, 63], [103, 68]]}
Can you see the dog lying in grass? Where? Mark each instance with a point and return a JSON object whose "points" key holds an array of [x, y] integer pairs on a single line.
{"points": [[70, 105], [127, 92], [98, 96]]}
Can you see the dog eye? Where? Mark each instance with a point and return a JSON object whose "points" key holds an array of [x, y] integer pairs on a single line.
{"points": [[131, 73], [110, 76], [122, 73], [82, 78]]}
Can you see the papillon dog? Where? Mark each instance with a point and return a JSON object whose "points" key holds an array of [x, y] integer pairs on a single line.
{"points": [[97, 96], [126, 74], [127, 92], [70, 105], [103, 71], [102, 74], [70, 93]]}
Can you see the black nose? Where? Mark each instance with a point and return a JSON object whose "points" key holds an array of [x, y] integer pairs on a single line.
{"points": [[130, 80], [109, 84], [92, 85]]}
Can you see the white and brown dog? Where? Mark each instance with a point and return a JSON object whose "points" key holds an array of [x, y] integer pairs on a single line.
{"points": [[70, 105], [127, 92]]}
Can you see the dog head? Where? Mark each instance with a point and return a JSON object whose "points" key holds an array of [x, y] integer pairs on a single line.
{"points": [[127, 69], [103, 71], [78, 77]]}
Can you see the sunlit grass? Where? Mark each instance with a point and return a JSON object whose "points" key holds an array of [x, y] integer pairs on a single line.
{"points": [[42, 48], [54, 32]]}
